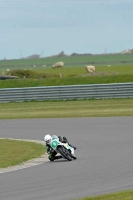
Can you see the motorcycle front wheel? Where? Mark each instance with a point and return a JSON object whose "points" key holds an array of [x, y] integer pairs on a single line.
{"points": [[64, 153], [72, 156]]}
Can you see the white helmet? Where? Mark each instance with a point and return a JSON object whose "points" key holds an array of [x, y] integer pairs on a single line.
{"points": [[47, 139]]}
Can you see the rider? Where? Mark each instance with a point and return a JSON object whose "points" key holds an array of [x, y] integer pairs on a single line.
{"points": [[52, 153]]}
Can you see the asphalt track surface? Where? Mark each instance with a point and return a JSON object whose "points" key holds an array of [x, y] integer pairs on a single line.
{"points": [[104, 164]]}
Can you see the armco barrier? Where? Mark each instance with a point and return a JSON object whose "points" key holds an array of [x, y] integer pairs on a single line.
{"points": [[95, 91]]}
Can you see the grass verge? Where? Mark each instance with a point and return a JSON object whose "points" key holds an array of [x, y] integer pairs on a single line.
{"points": [[79, 80], [125, 195], [13, 152], [62, 109]]}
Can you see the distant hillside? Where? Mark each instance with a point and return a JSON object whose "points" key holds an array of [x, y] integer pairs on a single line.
{"points": [[62, 54], [35, 56], [84, 54]]}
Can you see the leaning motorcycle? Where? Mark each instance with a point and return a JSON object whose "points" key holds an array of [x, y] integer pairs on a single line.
{"points": [[64, 149]]}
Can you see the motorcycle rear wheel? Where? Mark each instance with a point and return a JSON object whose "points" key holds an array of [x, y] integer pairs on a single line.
{"points": [[64, 153]]}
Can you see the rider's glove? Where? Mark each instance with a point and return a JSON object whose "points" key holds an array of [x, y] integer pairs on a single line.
{"points": [[49, 150]]}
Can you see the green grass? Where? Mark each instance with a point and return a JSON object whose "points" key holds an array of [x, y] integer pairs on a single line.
{"points": [[75, 70], [60, 109], [74, 76], [69, 60], [80, 70], [65, 81], [125, 195], [13, 152], [73, 73]]}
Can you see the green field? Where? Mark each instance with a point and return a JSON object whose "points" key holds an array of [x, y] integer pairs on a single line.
{"points": [[13, 152], [110, 68], [126, 195], [69, 61], [105, 59], [62, 109], [71, 76], [65, 81]]}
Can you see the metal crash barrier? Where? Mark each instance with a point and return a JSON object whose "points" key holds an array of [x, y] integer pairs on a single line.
{"points": [[69, 92]]}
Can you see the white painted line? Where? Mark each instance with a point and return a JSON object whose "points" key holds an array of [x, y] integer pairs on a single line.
{"points": [[30, 163]]}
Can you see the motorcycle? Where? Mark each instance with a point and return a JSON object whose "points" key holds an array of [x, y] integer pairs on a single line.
{"points": [[64, 149]]}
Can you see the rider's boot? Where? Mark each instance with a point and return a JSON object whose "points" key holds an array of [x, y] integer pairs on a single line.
{"points": [[72, 146], [58, 157]]}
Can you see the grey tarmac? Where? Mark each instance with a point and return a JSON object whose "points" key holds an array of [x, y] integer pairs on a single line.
{"points": [[104, 159]]}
